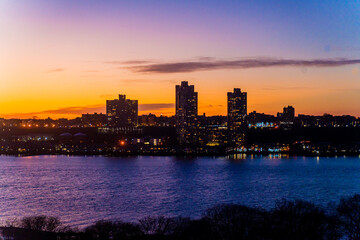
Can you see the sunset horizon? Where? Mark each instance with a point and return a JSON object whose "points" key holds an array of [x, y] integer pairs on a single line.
{"points": [[64, 58], [159, 109]]}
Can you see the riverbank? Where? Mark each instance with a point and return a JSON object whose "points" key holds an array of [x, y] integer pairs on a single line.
{"points": [[287, 220], [229, 155]]}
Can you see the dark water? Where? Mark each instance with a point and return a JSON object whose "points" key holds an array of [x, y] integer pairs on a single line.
{"points": [[81, 190]]}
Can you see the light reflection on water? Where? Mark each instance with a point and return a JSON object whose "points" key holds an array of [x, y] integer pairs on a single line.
{"points": [[81, 190]]}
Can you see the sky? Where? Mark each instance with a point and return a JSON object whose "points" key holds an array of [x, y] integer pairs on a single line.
{"points": [[62, 58]]}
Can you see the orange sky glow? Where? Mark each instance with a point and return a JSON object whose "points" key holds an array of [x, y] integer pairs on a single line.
{"points": [[64, 66]]}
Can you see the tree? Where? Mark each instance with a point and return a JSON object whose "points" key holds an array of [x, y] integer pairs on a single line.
{"points": [[104, 230], [301, 220], [348, 212], [236, 222], [158, 225], [40, 223]]}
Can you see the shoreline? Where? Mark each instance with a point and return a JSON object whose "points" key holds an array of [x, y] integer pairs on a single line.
{"points": [[232, 220], [230, 155]]}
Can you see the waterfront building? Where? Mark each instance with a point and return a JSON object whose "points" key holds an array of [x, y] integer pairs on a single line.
{"points": [[122, 112], [288, 113], [186, 113], [237, 112], [287, 119]]}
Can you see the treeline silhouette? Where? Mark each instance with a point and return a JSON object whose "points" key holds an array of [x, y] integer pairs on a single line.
{"points": [[288, 220]]}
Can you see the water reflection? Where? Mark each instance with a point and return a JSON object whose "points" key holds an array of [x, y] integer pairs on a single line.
{"points": [[82, 190], [244, 156]]}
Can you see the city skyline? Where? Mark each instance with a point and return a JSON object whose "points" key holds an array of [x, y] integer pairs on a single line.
{"points": [[65, 58], [123, 111]]}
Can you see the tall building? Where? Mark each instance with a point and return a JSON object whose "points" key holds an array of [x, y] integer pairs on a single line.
{"points": [[288, 113], [237, 111], [186, 113], [122, 112]]}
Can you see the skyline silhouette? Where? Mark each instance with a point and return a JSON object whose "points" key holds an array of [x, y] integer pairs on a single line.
{"points": [[142, 109]]}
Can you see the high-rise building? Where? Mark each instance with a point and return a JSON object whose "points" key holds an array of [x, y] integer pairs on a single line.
{"points": [[287, 118], [237, 111], [122, 112], [288, 113], [186, 113]]}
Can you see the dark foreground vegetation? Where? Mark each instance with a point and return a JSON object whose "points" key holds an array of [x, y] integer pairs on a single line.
{"points": [[290, 220]]}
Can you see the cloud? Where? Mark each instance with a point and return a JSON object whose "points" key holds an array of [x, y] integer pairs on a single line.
{"points": [[78, 110], [73, 110], [135, 80], [279, 88], [60, 111], [98, 108], [212, 64], [207, 106], [139, 81], [204, 58], [130, 62], [347, 89], [155, 106], [56, 70]]}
